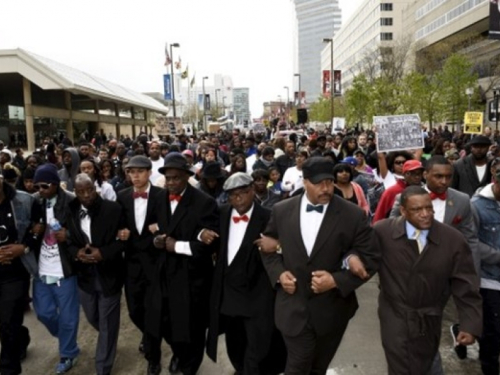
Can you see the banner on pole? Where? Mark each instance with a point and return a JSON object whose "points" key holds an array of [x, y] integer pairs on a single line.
{"points": [[326, 83], [494, 32], [167, 87], [473, 123], [337, 82], [402, 132]]}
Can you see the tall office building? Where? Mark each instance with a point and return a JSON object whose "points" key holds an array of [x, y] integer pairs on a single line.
{"points": [[315, 20], [241, 105]]}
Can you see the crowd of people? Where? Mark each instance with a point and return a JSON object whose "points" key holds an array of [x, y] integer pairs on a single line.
{"points": [[260, 237]]}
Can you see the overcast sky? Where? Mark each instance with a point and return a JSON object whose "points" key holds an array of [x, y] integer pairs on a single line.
{"points": [[123, 41]]}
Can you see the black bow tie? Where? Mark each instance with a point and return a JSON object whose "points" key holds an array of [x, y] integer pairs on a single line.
{"points": [[83, 214], [318, 208]]}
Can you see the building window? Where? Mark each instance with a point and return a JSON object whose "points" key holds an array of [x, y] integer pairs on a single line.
{"points": [[386, 22], [386, 6], [385, 36]]}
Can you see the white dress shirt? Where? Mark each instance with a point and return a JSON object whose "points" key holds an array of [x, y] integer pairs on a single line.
{"points": [[439, 207], [236, 233], [85, 223], [310, 222], [181, 247], [140, 210]]}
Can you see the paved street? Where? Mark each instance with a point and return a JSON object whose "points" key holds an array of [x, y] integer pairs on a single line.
{"points": [[360, 353]]}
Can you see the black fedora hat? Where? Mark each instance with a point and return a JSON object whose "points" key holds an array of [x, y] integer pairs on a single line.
{"points": [[175, 160], [212, 170]]}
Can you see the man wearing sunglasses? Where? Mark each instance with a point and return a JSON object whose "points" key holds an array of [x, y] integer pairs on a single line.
{"points": [[55, 291], [17, 212]]}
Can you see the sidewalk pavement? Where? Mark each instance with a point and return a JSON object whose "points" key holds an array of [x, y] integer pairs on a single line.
{"points": [[360, 353]]}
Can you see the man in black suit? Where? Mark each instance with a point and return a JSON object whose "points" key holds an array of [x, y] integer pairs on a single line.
{"points": [[139, 204], [93, 225], [473, 171], [311, 241], [187, 223], [242, 300]]}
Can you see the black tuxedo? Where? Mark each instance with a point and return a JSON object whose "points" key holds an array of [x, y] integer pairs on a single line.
{"points": [[465, 178], [179, 298], [140, 254], [242, 300], [104, 227], [304, 314]]}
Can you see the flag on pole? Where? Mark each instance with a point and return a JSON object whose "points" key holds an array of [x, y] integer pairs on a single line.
{"points": [[185, 73], [168, 60], [192, 81], [178, 64]]}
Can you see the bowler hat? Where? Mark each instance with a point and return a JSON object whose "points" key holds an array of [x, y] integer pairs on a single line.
{"points": [[212, 169], [317, 169], [480, 140], [175, 160], [139, 161], [237, 180]]}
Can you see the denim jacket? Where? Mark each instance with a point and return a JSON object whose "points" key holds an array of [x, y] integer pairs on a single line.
{"points": [[488, 214]]}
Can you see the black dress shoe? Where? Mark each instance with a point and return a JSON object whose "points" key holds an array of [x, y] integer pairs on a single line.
{"points": [[154, 368], [174, 365]]}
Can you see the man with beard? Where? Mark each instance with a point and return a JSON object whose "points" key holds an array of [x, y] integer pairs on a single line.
{"points": [[179, 299], [120, 153], [473, 171], [84, 151], [92, 229], [156, 160], [71, 166]]}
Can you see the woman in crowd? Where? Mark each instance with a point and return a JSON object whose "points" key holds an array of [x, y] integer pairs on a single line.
{"points": [[292, 179], [348, 146], [266, 160], [104, 189], [107, 170], [362, 167], [239, 164], [346, 188]]}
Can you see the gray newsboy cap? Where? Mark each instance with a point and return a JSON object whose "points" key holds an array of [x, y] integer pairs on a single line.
{"points": [[139, 161], [237, 180]]}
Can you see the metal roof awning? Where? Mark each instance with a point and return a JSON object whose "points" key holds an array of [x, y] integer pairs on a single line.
{"points": [[52, 75]]}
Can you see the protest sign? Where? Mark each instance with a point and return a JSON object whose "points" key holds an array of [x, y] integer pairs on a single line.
{"points": [[399, 132], [338, 125], [473, 123]]}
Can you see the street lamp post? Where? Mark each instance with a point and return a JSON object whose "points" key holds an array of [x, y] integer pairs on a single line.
{"points": [[224, 104], [469, 91], [279, 111], [204, 104], [332, 97], [287, 103], [217, 101], [173, 78], [299, 97]]}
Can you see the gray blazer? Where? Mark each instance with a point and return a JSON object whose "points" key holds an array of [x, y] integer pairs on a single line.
{"points": [[458, 213]]}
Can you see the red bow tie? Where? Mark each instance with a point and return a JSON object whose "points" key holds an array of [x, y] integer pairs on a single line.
{"points": [[441, 196], [140, 195], [237, 219], [175, 197]]}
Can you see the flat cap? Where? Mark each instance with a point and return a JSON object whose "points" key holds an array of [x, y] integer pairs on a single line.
{"points": [[317, 169], [139, 161], [237, 180], [480, 140]]}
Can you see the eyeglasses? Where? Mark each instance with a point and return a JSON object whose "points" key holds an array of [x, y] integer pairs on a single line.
{"points": [[238, 194], [41, 186], [399, 162]]}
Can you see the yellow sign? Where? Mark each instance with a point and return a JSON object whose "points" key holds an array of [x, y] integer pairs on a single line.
{"points": [[473, 123]]}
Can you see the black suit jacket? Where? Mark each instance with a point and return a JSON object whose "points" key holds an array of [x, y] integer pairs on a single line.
{"points": [[183, 281], [465, 177], [242, 288], [345, 230], [140, 253], [103, 228]]}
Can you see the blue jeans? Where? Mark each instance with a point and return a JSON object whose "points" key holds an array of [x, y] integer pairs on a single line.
{"points": [[57, 306]]}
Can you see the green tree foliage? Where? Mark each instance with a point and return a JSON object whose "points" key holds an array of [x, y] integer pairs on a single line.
{"points": [[321, 110]]}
